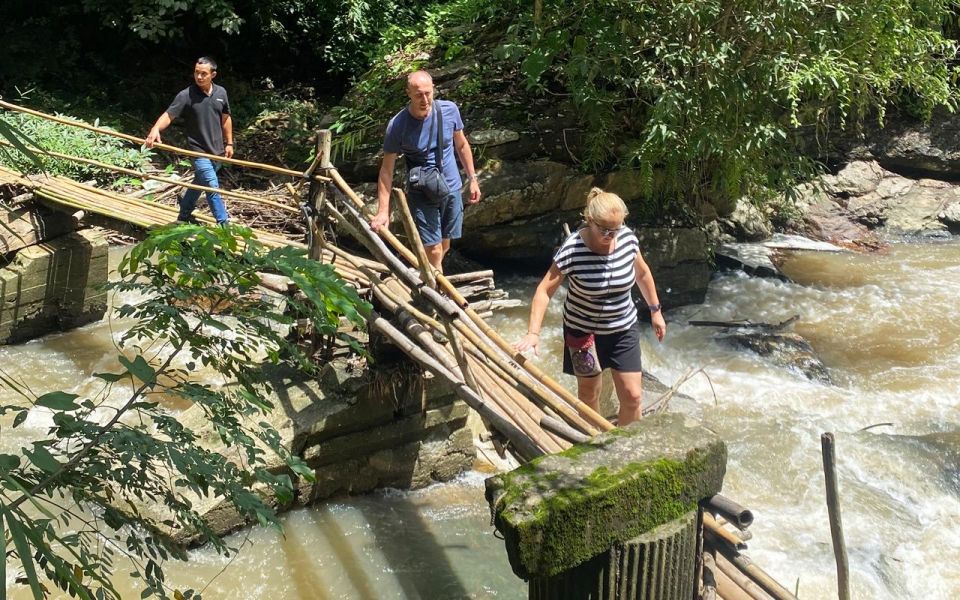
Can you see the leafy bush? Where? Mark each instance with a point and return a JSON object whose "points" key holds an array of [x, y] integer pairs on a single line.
{"points": [[48, 136], [69, 501], [709, 99]]}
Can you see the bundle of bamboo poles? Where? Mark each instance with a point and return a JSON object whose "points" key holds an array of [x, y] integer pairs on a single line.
{"points": [[728, 574]]}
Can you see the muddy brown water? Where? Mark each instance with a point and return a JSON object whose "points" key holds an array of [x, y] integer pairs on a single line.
{"points": [[888, 329]]}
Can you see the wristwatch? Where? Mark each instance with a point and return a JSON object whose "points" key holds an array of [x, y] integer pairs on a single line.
{"points": [[654, 307]]}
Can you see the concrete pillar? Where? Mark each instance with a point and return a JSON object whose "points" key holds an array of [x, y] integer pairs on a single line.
{"points": [[616, 517]]}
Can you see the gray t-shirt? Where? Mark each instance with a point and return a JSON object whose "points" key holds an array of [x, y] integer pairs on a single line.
{"points": [[416, 139], [203, 116]]}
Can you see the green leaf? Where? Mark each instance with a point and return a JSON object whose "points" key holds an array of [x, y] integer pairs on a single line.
{"points": [[58, 401], [9, 462], [23, 550], [139, 368], [42, 458], [110, 377]]}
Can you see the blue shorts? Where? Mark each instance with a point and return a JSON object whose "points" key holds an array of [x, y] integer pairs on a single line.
{"points": [[437, 221]]}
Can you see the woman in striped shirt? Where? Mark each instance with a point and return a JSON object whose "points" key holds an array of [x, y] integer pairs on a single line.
{"points": [[601, 262]]}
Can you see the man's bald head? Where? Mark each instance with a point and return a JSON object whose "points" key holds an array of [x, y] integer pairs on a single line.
{"points": [[420, 92]]}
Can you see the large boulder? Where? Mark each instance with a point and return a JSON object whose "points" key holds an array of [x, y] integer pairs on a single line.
{"points": [[845, 207]]}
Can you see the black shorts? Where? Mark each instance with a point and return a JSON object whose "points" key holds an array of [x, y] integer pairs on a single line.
{"points": [[620, 350]]}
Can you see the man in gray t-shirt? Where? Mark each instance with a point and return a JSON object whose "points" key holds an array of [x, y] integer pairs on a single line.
{"points": [[412, 132], [205, 109]]}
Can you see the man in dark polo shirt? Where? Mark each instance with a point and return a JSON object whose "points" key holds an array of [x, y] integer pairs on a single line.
{"points": [[206, 112]]}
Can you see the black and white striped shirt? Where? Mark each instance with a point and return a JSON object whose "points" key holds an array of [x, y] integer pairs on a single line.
{"points": [[599, 299]]}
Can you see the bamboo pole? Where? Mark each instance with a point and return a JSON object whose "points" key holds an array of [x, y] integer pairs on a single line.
{"points": [[728, 589], [508, 411], [194, 186], [738, 516], [530, 414], [709, 578], [711, 526], [755, 573], [166, 147], [827, 443], [524, 445], [741, 579], [585, 411], [428, 277]]}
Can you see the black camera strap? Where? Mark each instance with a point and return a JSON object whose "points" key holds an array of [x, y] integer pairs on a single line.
{"points": [[438, 117]]}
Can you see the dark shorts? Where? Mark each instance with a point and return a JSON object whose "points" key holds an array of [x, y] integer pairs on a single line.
{"points": [[437, 221], [619, 351]]}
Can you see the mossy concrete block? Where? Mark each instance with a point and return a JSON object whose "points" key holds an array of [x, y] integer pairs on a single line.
{"points": [[563, 509], [54, 285]]}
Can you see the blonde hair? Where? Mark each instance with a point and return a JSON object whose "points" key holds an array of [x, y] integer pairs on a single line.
{"points": [[603, 205]]}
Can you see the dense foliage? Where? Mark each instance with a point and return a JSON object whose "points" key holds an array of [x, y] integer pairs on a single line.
{"points": [[49, 136], [714, 92], [709, 99], [117, 469]]}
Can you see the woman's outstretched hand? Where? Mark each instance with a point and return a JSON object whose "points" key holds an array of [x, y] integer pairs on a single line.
{"points": [[530, 340]]}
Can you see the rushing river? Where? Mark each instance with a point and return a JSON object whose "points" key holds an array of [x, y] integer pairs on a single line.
{"points": [[887, 327]]}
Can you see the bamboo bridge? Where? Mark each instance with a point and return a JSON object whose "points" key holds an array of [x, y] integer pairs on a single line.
{"points": [[529, 414]]}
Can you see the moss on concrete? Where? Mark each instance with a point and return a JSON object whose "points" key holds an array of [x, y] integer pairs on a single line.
{"points": [[561, 510]]}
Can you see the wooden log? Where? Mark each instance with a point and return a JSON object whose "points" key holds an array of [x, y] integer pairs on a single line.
{"points": [[563, 430], [746, 324], [471, 276], [728, 589], [828, 446], [709, 578], [755, 573], [277, 283]]}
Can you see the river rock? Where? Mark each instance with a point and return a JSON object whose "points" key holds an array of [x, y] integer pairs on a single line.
{"points": [[784, 349], [747, 222], [911, 147], [754, 259], [843, 208]]}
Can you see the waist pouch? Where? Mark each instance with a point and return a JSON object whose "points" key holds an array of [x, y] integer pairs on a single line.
{"points": [[428, 181], [583, 354]]}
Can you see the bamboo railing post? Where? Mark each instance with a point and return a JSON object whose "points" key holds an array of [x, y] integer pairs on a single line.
{"points": [[827, 443]]}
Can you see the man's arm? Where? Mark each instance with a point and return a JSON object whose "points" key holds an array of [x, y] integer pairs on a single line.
{"points": [[226, 121], [384, 188], [462, 146], [154, 136]]}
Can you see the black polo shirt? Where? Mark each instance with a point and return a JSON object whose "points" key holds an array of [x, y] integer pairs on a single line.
{"points": [[203, 116]]}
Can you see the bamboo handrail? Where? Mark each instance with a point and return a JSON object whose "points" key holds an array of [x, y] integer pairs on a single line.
{"points": [[191, 185], [166, 147]]}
